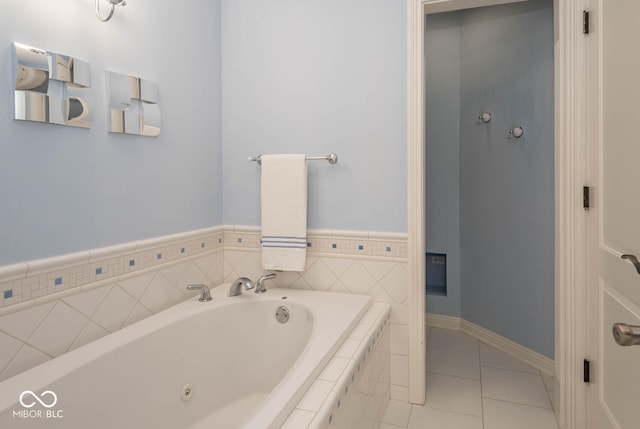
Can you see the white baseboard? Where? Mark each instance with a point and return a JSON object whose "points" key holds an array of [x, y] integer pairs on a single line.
{"points": [[445, 322], [505, 345]]}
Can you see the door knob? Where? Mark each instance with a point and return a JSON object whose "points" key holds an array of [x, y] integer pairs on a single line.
{"points": [[626, 335]]}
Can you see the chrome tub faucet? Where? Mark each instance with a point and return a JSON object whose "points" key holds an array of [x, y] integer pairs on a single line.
{"points": [[236, 287], [205, 295]]}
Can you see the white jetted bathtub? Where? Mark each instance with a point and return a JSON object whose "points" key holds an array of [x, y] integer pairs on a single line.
{"points": [[219, 364]]}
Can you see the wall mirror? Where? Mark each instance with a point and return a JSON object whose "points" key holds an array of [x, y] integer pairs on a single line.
{"points": [[133, 105], [51, 88]]}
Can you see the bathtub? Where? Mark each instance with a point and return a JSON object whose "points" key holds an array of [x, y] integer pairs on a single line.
{"points": [[219, 364]]}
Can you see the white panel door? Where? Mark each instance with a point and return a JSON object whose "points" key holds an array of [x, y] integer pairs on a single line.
{"points": [[614, 219]]}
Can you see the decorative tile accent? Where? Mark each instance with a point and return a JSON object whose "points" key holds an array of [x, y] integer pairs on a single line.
{"points": [[115, 286], [348, 382]]}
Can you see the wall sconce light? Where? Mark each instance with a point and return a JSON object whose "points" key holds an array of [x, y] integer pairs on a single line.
{"points": [[113, 4]]}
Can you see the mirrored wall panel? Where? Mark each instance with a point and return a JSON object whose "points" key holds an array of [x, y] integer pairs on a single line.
{"points": [[51, 88], [133, 105]]}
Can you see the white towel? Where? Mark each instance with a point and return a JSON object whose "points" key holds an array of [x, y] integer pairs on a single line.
{"points": [[284, 212]]}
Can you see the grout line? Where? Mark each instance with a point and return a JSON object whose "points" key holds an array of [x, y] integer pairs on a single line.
{"points": [[84, 325], [520, 403], [28, 342], [455, 376], [513, 370]]}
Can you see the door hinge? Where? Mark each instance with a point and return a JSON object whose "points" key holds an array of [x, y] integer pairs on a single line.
{"points": [[586, 376], [585, 22], [586, 197]]}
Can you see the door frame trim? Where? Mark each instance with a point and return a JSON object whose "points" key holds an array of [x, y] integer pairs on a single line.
{"points": [[570, 84]]}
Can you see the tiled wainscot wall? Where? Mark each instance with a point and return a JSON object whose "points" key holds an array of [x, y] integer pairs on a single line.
{"points": [[51, 306]]}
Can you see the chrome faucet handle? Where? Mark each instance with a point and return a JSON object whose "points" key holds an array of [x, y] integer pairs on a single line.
{"points": [[205, 295], [260, 288], [236, 287]]}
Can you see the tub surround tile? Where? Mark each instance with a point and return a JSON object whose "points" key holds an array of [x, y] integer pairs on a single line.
{"points": [[339, 287], [26, 358], [326, 415], [57, 263], [138, 313], [192, 275], [88, 302], [348, 348], [298, 419], [358, 384], [176, 297], [319, 276], [58, 330], [89, 333], [358, 280], [338, 266], [399, 370], [334, 369], [399, 339], [13, 272], [394, 283], [157, 294], [22, 324], [315, 396], [360, 331], [114, 310], [250, 266], [378, 269], [301, 284], [8, 349], [137, 286], [100, 284]]}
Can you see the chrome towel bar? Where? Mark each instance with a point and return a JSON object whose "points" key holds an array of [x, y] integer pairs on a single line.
{"points": [[332, 158]]}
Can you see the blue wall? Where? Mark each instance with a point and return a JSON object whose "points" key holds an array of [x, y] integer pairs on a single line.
{"points": [[66, 189], [506, 188], [442, 152], [318, 77]]}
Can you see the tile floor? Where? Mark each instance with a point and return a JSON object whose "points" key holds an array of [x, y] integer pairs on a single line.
{"points": [[471, 385]]}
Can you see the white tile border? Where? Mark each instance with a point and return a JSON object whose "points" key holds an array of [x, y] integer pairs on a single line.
{"points": [[377, 319], [44, 280]]}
